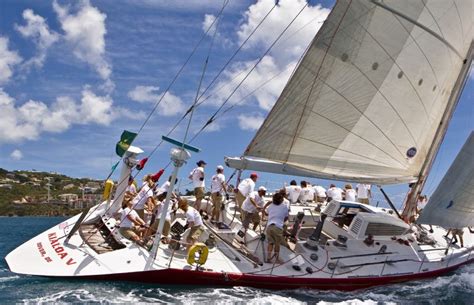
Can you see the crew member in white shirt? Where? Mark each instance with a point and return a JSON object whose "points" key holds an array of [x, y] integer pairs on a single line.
{"points": [[166, 186], [277, 215], [218, 187], [349, 193], [307, 193], [334, 193], [244, 189], [293, 192], [320, 193], [363, 193], [144, 196], [194, 222], [157, 216], [197, 176], [251, 208], [131, 188], [131, 225]]}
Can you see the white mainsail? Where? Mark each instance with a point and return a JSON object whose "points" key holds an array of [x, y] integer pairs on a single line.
{"points": [[452, 203], [367, 98]]}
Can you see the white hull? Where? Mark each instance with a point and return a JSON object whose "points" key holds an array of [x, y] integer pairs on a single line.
{"points": [[355, 266]]}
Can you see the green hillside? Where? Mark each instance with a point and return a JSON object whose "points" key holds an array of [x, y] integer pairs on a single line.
{"points": [[25, 193]]}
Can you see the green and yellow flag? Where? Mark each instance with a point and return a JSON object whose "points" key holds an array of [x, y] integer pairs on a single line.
{"points": [[126, 140]]}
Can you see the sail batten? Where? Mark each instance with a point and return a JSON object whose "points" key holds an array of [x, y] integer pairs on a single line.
{"points": [[369, 94]]}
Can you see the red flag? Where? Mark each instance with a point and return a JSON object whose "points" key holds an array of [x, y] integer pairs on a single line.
{"points": [[157, 176], [141, 164]]}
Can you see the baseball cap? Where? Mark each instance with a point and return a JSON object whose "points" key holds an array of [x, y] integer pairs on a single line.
{"points": [[253, 175], [262, 188], [220, 167], [201, 162]]}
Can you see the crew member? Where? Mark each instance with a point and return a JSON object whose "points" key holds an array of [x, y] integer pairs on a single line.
{"points": [[131, 225], [194, 222], [245, 187], [251, 208], [293, 192], [197, 176], [218, 187], [363, 193], [277, 214]]}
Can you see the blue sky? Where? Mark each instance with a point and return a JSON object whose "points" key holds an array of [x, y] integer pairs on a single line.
{"points": [[74, 74]]}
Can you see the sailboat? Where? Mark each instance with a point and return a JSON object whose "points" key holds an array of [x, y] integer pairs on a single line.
{"points": [[370, 102]]}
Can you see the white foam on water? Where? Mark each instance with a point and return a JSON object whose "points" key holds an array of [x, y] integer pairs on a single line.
{"points": [[8, 278]]}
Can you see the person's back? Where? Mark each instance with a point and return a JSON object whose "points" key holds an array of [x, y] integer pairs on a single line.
{"points": [[246, 186], [277, 215], [216, 183], [293, 192], [307, 194], [248, 206], [349, 193], [334, 193], [363, 193]]}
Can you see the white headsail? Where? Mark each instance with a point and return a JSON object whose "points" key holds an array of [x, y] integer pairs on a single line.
{"points": [[452, 204], [367, 98]]}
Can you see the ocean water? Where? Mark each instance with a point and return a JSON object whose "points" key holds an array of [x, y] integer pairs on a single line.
{"points": [[456, 288]]}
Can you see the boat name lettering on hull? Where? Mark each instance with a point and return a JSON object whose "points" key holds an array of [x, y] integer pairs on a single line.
{"points": [[53, 239], [43, 252]]}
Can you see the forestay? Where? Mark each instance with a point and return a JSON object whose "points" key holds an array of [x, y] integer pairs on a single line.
{"points": [[452, 204], [367, 98]]}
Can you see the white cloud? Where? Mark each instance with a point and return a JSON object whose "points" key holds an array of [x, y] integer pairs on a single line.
{"points": [[208, 20], [169, 106], [250, 122], [37, 29], [272, 73], [85, 32], [16, 155], [8, 59], [28, 121], [296, 38]]}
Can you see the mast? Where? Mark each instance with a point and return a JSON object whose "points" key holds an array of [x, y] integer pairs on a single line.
{"points": [[440, 132]]}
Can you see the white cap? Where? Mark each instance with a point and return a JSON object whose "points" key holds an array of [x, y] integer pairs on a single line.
{"points": [[220, 167], [262, 188]]}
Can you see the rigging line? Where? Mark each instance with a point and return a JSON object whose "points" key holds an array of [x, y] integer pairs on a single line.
{"points": [[273, 77], [238, 49], [238, 75], [252, 69], [316, 77], [220, 88], [268, 119], [423, 27], [202, 76], [252, 92], [179, 71]]}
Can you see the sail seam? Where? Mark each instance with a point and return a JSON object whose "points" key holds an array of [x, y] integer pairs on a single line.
{"points": [[363, 114], [340, 149], [360, 137], [395, 12], [315, 78]]}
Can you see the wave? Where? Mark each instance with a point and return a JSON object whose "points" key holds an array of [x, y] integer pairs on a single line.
{"points": [[457, 288]]}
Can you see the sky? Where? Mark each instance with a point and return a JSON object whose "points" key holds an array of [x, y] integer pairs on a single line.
{"points": [[75, 74]]}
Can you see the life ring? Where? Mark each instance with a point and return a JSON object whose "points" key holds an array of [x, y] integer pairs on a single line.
{"points": [[203, 253], [109, 184]]}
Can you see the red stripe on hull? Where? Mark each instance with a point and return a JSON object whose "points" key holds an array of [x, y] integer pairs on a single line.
{"points": [[206, 278]]}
